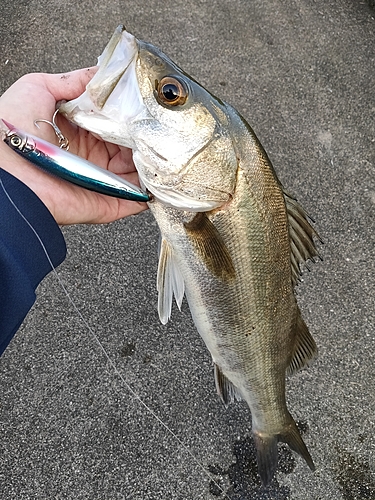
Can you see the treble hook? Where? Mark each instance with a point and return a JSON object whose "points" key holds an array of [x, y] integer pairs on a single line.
{"points": [[63, 141]]}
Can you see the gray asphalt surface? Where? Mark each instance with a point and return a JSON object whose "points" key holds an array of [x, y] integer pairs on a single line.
{"points": [[302, 73]]}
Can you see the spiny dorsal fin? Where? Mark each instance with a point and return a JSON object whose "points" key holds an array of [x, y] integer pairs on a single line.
{"points": [[226, 390], [169, 281], [210, 246], [305, 349], [301, 235]]}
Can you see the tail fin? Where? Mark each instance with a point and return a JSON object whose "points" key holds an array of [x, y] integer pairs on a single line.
{"points": [[267, 454], [292, 437]]}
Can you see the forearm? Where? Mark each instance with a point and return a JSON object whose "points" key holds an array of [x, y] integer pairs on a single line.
{"points": [[23, 261]]}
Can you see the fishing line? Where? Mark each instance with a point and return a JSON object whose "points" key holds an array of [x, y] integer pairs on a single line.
{"points": [[102, 348]]}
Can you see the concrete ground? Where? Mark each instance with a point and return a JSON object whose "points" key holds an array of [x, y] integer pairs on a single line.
{"points": [[302, 73]]}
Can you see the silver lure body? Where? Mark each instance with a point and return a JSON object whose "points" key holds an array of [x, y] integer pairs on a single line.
{"points": [[68, 166]]}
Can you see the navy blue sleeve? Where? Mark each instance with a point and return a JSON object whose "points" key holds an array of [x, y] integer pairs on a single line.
{"points": [[23, 262]]}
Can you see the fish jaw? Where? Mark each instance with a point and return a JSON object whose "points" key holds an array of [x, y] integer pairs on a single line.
{"points": [[112, 99]]}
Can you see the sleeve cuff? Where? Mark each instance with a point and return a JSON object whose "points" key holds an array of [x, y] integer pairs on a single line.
{"points": [[30, 241]]}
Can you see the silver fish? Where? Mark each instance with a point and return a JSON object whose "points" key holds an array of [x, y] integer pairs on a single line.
{"points": [[232, 240]]}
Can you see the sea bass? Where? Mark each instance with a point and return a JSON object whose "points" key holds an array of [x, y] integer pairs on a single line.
{"points": [[232, 240]]}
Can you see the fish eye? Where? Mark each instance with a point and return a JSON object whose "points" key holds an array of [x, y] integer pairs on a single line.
{"points": [[172, 91]]}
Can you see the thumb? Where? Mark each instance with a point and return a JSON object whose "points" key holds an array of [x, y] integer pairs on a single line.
{"points": [[69, 85]]}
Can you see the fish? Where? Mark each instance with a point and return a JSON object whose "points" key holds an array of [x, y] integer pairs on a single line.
{"points": [[233, 241]]}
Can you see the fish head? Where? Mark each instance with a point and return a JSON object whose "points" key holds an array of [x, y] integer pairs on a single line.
{"points": [[178, 131]]}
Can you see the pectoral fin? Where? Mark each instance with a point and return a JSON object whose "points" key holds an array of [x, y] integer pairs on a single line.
{"points": [[210, 247], [169, 282]]}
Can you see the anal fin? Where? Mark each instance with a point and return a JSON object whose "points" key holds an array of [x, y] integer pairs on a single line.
{"points": [[226, 390]]}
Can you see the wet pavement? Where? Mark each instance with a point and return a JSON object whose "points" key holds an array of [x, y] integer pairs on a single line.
{"points": [[302, 73]]}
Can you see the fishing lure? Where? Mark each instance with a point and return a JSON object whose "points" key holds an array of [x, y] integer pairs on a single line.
{"points": [[58, 161]]}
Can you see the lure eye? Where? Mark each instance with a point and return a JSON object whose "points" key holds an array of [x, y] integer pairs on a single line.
{"points": [[15, 141], [172, 91]]}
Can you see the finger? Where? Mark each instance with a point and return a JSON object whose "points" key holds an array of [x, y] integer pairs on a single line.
{"points": [[127, 156], [122, 162], [126, 208], [70, 85], [112, 149]]}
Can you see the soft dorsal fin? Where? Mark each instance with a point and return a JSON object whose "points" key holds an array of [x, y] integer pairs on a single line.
{"points": [[305, 349], [301, 234], [210, 246], [226, 390], [169, 282]]}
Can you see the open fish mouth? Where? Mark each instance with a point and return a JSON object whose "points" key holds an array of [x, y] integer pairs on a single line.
{"points": [[112, 98]]}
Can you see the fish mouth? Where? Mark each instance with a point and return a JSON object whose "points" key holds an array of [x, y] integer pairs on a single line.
{"points": [[112, 98], [112, 66]]}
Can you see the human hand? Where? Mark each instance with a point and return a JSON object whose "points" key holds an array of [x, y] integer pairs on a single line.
{"points": [[34, 96]]}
